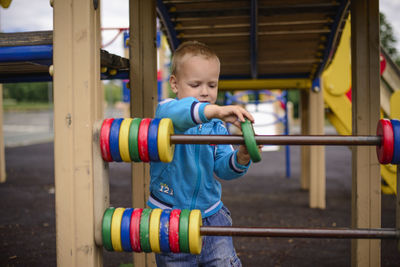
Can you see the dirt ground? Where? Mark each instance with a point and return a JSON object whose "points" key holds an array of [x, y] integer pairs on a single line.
{"points": [[264, 197]]}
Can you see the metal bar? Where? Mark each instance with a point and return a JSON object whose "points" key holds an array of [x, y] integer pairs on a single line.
{"points": [[26, 53], [340, 233], [320, 140]]}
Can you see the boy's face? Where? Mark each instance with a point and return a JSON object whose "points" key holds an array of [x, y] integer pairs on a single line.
{"points": [[197, 76]]}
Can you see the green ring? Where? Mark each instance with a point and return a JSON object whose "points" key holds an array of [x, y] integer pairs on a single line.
{"points": [[133, 140], [250, 141], [144, 230], [106, 229], [184, 231]]}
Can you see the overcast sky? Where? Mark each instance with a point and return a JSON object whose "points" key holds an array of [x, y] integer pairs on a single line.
{"points": [[36, 15]]}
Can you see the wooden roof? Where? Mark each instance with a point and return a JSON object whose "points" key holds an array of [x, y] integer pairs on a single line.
{"points": [[253, 38], [259, 39]]}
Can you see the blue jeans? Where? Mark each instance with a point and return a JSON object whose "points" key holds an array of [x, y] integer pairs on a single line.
{"points": [[216, 251]]}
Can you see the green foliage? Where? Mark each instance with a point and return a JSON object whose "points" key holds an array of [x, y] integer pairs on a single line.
{"points": [[387, 38], [112, 92], [294, 97], [27, 92]]}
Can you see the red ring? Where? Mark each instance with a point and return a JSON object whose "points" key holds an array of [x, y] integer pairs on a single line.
{"points": [[105, 139], [134, 230], [174, 231], [385, 149], [142, 139]]}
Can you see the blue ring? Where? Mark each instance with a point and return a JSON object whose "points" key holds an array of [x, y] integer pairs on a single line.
{"points": [[396, 141], [164, 231], [114, 140], [125, 230], [152, 140]]}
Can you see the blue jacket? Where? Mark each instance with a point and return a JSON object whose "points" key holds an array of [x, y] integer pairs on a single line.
{"points": [[189, 181]]}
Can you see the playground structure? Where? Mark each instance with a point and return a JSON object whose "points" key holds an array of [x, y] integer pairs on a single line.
{"points": [[337, 95], [76, 61], [174, 230]]}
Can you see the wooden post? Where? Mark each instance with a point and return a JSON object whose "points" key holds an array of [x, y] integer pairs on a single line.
{"points": [[143, 81], [366, 189], [305, 150], [316, 117], [77, 105], [398, 203], [2, 154]]}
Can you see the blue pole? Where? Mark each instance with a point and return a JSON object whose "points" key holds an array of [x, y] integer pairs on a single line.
{"points": [[26, 53], [286, 122]]}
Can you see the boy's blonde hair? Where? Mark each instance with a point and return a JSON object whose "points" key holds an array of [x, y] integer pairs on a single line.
{"points": [[193, 48]]}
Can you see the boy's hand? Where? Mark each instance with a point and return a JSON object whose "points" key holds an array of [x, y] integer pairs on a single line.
{"points": [[243, 156], [231, 114]]}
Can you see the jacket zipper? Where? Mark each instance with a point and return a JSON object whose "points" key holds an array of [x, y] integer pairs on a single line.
{"points": [[198, 180]]}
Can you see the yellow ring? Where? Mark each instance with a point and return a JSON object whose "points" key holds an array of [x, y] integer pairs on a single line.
{"points": [[154, 234], [195, 241], [116, 229], [124, 140], [165, 149]]}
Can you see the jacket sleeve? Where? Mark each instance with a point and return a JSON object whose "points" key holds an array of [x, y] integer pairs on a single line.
{"points": [[226, 166], [185, 113]]}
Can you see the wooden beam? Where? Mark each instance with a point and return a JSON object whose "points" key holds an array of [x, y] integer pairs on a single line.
{"points": [[316, 117], [305, 150], [78, 101], [398, 203], [26, 38], [181, 27], [249, 84], [366, 189], [143, 80], [2, 158]]}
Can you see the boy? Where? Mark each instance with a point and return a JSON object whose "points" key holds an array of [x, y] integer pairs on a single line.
{"points": [[188, 182]]}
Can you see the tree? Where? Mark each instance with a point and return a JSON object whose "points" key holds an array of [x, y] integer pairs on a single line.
{"points": [[27, 92], [388, 40]]}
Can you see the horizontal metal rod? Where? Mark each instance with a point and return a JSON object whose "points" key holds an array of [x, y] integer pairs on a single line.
{"points": [[380, 233], [327, 140]]}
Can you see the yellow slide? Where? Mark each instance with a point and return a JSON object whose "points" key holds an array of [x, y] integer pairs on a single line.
{"points": [[336, 83]]}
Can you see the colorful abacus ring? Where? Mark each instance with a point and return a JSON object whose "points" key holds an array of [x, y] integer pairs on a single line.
{"points": [[125, 230], [184, 231], [155, 230], [164, 231], [144, 230], [116, 229], [152, 140], [106, 228], [105, 140], [396, 141], [114, 140], [143, 140], [174, 230], [385, 150], [195, 241], [165, 149], [250, 141], [124, 139], [135, 230], [133, 140]]}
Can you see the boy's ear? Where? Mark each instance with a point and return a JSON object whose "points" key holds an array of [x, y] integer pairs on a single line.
{"points": [[173, 82]]}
